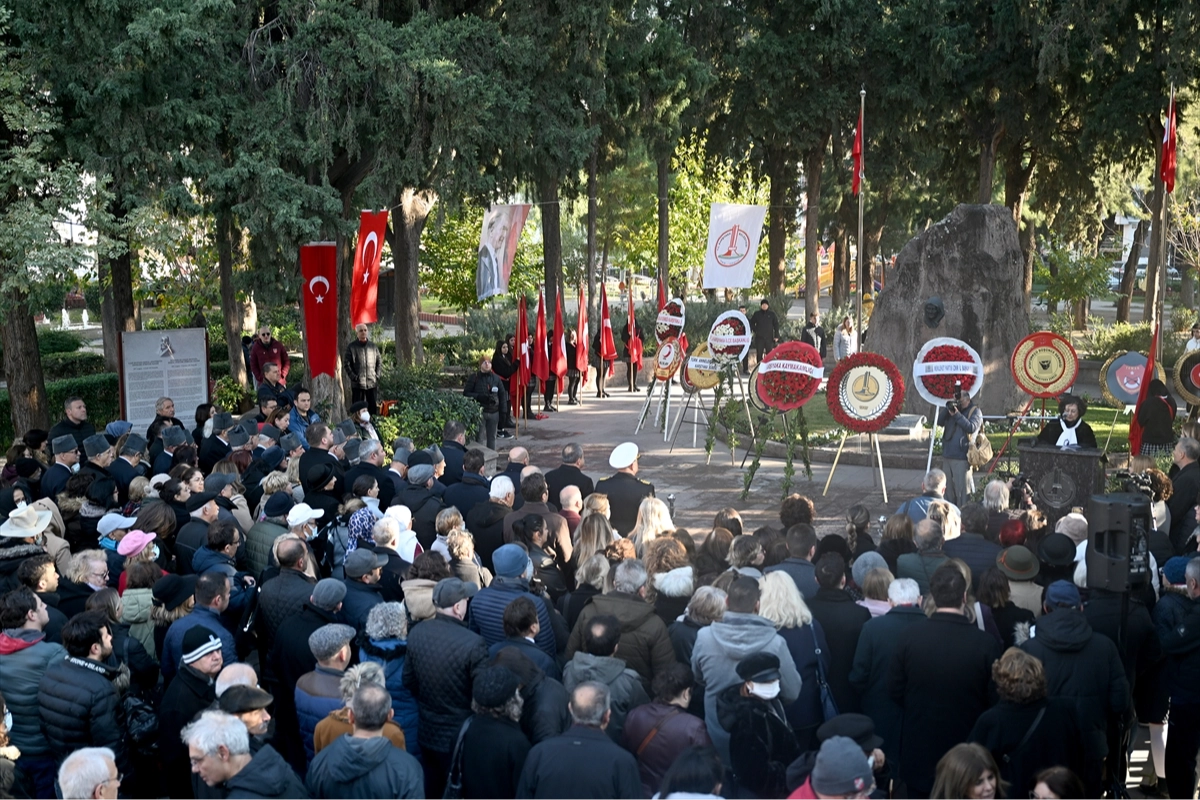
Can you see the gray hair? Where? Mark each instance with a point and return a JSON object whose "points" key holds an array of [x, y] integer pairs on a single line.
{"points": [[1192, 570], [707, 605], [593, 571], [1190, 448], [358, 676], [928, 535], [238, 674], [386, 531], [512, 708], [216, 729], [629, 576], [935, 479], [387, 621], [571, 453], [84, 770], [371, 704], [161, 403], [995, 496], [904, 592], [569, 495], [502, 486], [368, 448], [589, 703]]}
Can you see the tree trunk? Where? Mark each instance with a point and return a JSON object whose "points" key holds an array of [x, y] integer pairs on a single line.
{"points": [[551, 238], [814, 160], [1017, 176], [592, 266], [1129, 275], [841, 268], [664, 241], [987, 164], [404, 237], [777, 230], [228, 242], [23, 369], [116, 304]]}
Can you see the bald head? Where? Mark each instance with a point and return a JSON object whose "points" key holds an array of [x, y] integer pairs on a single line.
{"points": [[570, 499], [518, 455], [238, 674]]}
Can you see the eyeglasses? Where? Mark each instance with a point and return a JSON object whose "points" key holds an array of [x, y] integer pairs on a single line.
{"points": [[120, 777], [265, 333], [103, 574]]}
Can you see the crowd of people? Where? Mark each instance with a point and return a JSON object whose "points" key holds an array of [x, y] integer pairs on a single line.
{"points": [[268, 606]]}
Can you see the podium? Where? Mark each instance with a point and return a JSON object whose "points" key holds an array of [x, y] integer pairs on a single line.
{"points": [[1061, 478]]}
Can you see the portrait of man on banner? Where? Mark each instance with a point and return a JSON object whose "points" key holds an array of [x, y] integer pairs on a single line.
{"points": [[497, 248]]}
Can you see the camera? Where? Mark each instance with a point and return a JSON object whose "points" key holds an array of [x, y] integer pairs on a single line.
{"points": [[1135, 483], [952, 405]]}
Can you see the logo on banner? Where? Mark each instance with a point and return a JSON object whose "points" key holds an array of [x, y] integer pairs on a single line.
{"points": [[732, 247], [1044, 364], [733, 234], [1121, 377], [370, 252]]}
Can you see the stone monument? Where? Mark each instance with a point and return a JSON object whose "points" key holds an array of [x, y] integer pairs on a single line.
{"points": [[960, 278]]}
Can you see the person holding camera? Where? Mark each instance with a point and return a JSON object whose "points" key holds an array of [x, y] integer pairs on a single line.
{"points": [[962, 419]]}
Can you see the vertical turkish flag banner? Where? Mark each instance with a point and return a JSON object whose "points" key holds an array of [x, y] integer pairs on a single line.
{"points": [[662, 295], [1166, 169], [857, 152], [635, 341], [364, 291], [581, 334], [558, 348], [318, 266], [520, 376], [541, 364], [608, 347]]}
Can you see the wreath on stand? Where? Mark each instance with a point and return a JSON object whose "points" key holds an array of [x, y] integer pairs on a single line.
{"points": [[943, 366], [787, 378], [865, 392]]}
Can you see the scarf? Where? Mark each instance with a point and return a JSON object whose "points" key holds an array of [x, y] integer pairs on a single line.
{"points": [[1067, 438]]}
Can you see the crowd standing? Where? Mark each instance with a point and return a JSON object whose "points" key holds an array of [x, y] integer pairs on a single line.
{"points": [[271, 606]]}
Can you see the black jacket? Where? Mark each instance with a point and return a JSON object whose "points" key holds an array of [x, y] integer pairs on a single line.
{"points": [[978, 553], [425, 506], [764, 325], [444, 656], [842, 620], [289, 659], [280, 599], [80, 707], [80, 430], [394, 573], [360, 599], [72, 597], [315, 456], [1008, 617], [267, 775], [625, 494], [189, 694], [1141, 652], [761, 745], [1186, 485], [571, 604], [387, 489], [496, 750], [362, 363], [13, 553], [583, 762], [1177, 620], [212, 450], [128, 650], [565, 475], [1084, 435], [479, 387], [188, 541], [486, 523], [468, 492], [1083, 667], [940, 679], [1054, 742], [364, 768], [872, 670]]}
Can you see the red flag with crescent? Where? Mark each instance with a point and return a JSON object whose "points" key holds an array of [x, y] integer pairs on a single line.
{"points": [[364, 291], [558, 348], [1135, 427], [635, 341], [541, 364], [318, 266], [856, 179], [662, 293], [581, 337], [520, 376]]}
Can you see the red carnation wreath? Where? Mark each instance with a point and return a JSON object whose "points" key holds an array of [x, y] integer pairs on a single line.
{"points": [[944, 365], [670, 320], [789, 376], [890, 383]]}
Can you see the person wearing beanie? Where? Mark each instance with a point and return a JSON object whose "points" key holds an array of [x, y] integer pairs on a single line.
{"points": [[212, 590], [319, 692], [191, 691], [1081, 666], [494, 748], [841, 770], [513, 570], [444, 657]]}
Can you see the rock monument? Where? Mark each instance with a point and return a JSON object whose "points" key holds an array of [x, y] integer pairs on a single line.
{"points": [[960, 278]]}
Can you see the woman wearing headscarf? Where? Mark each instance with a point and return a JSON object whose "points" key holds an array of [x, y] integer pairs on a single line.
{"points": [[1069, 429]]}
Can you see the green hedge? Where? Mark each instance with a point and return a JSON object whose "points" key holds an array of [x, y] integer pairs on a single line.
{"points": [[52, 340], [102, 393], [64, 366], [422, 414]]}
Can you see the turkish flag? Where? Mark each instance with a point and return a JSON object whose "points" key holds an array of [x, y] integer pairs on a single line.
{"points": [[541, 364], [318, 265], [608, 347], [1135, 427], [364, 291], [520, 376], [635, 341], [662, 293], [581, 334], [558, 348], [856, 180], [1166, 169]]}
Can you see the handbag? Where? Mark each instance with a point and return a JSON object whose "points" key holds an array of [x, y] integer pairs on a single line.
{"points": [[141, 719], [454, 779], [979, 451], [654, 731], [829, 708], [1007, 757]]}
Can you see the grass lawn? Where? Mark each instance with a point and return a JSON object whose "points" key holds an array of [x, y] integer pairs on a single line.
{"points": [[1100, 419]]}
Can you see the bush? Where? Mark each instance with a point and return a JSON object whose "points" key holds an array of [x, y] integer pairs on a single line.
{"points": [[64, 365], [51, 340], [102, 393], [421, 415], [397, 382]]}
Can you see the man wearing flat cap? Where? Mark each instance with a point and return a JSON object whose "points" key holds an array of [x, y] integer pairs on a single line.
{"points": [[99, 454], [363, 570], [249, 704], [625, 489], [419, 498], [216, 446], [444, 658], [319, 692], [66, 456]]}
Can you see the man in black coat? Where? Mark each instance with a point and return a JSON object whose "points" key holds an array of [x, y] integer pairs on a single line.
{"points": [[971, 545], [454, 447], [843, 620], [216, 446], [370, 463], [66, 456], [74, 422], [1177, 619], [191, 537], [472, 489], [569, 473], [419, 498], [494, 745], [363, 363], [282, 597], [1082, 666], [625, 489], [486, 389], [873, 663], [320, 440], [1186, 483], [583, 762], [940, 679], [486, 520], [363, 569], [764, 326], [192, 691], [444, 658]]}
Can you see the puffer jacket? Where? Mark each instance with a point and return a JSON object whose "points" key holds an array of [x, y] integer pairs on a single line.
{"points": [[137, 604], [1177, 620], [364, 768], [1084, 667], [486, 612], [13, 554], [81, 707], [259, 540], [719, 648], [281, 598], [677, 731], [389, 653], [316, 694], [673, 590], [267, 775], [24, 658], [645, 644], [625, 688], [443, 658]]}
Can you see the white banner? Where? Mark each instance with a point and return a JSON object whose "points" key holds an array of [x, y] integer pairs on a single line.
{"points": [[798, 367], [733, 234]]}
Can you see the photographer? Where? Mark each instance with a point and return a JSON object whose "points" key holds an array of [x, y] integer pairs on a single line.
{"points": [[962, 419], [1069, 429]]}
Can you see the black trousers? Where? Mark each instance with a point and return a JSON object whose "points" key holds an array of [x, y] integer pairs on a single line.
{"points": [[633, 370], [548, 388], [573, 378], [437, 771], [601, 377], [370, 396], [1183, 740]]}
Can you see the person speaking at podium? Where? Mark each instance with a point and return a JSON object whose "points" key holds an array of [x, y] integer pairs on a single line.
{"points": [[1069, 429]]}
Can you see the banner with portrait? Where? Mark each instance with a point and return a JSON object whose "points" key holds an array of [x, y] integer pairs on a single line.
{"points": [[497, 248]]}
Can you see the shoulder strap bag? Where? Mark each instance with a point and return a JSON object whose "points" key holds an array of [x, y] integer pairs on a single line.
{"points": [[829, 707], [454, 780], [654, 731], [1007, 757]]}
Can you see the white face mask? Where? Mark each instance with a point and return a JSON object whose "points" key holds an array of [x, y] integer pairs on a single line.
{"points": [[75, 467], [7, 720], [155, 552], [365, 416], [767, 691], [21, 505]]}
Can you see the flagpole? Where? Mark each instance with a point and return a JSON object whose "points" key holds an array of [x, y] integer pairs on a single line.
{"points": [[862, 106]]}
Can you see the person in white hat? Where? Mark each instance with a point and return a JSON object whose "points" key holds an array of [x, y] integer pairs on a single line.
{"points": [[625, 489], [21, 537]]}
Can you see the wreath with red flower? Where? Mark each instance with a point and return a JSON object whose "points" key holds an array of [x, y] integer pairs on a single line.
{"points": [[789, 376], [944, 366], [669, 322], [894, 388]]}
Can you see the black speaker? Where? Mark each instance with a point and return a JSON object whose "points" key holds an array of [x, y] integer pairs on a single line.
{"points": [[1118, 554]]}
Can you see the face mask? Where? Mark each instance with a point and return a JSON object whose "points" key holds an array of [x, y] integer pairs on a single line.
{"points": [[21, 505], [767, 691], [365, 416], [7, 720], [871, 762], [154, 552], [75, 467]]}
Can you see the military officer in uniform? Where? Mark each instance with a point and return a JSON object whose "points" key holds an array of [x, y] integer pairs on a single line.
{"points": [[625, 489]]}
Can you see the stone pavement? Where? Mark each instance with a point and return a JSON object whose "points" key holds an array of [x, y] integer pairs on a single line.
{"points": [[701, 489]]}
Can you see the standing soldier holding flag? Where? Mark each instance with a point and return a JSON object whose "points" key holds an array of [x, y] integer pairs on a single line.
{"points": [[603, 345]]}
